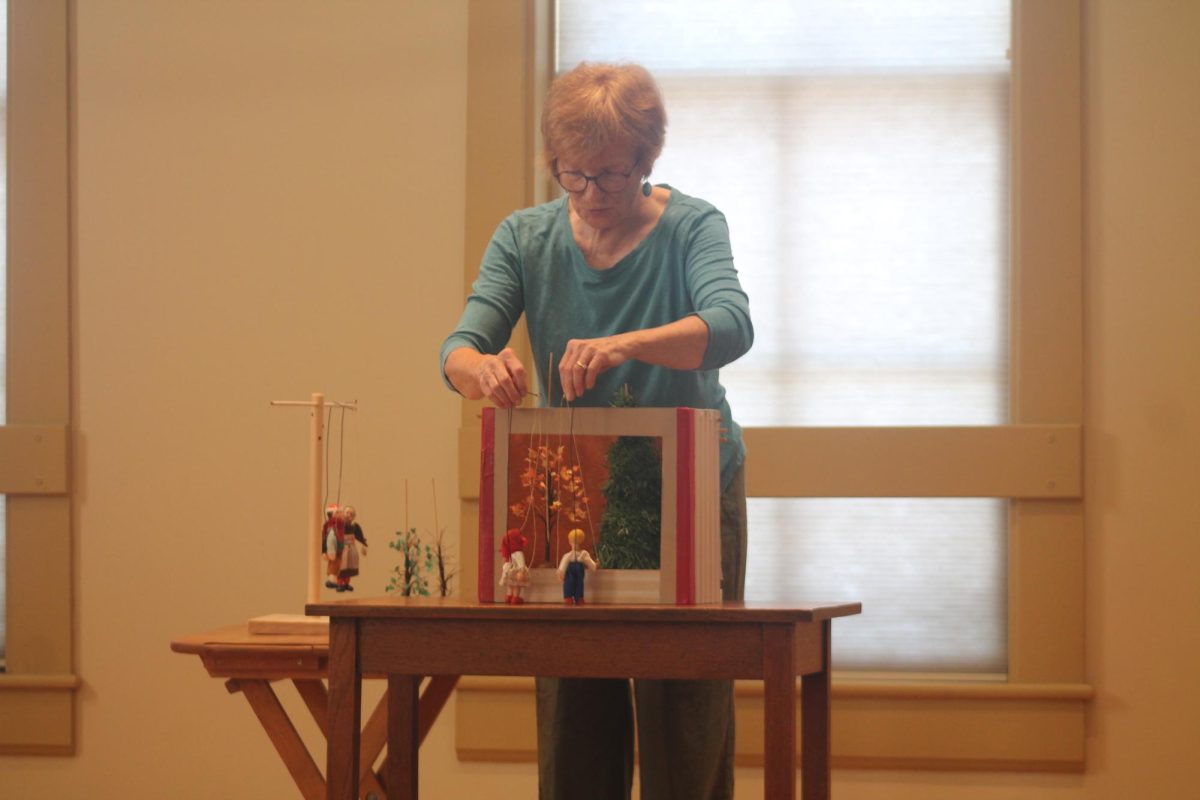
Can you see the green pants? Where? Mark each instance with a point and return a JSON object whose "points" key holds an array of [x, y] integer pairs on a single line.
{"points": [[684, 728]]}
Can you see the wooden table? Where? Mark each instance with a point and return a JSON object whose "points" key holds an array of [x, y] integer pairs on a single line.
{"points": [[251, 662], [407, 638]]}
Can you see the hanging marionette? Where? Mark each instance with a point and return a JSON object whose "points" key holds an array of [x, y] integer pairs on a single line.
{"points": [[333, 536], [354, 544], [342, 540]]}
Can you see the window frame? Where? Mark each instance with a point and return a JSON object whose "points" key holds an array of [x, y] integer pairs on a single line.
{"points": [[1033, 720], [37, 690]]}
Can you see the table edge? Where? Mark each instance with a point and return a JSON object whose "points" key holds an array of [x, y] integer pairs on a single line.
{"points": [[707, 613]]}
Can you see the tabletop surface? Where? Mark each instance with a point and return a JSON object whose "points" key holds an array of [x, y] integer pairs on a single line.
{"points": [[430, 608], [240, 637]]}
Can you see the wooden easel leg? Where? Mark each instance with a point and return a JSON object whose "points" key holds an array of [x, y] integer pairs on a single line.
{"points": [[317, 699], [374, 737], [779, 699], [433, 699], [815, 719], [283, 735], [314, 695]]}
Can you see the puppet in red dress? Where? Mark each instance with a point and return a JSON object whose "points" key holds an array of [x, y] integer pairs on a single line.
{"points": [[515, 574]]}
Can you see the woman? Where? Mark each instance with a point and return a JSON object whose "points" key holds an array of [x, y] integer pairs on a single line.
{"points": [[623, 283]]}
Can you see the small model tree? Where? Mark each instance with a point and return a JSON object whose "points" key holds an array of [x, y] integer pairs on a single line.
{"points": [[412, 577], [420, 559], [631, 527], [442, 557], [553, 488]]}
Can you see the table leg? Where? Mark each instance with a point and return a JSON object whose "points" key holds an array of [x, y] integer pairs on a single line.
{"points": [[815, 716], [282, 732], [404, 738], [779, 699], [345, 699]]}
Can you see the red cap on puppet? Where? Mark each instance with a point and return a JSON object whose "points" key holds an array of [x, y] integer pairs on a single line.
{"points": [[511, 543], [334, 521]]}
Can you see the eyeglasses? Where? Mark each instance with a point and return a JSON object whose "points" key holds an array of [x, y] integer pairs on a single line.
{"points": [[607, 182]]}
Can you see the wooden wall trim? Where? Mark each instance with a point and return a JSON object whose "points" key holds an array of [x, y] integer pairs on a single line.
{"points": [[33, 459], [1012, 461], [938, 726], [36, 700]]}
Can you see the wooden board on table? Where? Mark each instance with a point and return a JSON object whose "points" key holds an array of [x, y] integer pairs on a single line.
{"points": [[269, 624]]}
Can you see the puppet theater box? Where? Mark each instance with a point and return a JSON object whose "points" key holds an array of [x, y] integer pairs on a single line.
{"points": [[643, 484]]}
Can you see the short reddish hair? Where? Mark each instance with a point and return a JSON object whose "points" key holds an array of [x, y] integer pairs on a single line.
{"points": [[595, 106]]}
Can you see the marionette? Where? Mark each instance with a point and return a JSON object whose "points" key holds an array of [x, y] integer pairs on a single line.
{"points": [[354, 544], [572, 568], [515, 575], [332, 535]]}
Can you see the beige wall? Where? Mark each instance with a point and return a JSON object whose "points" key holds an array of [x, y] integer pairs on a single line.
{"points": [[270, 203]]}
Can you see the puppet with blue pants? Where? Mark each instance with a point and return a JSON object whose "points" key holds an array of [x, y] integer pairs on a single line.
{"points": [[572, 568]]}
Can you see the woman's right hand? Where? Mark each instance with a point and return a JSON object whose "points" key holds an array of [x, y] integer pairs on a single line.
{"points": [[501, 378]]}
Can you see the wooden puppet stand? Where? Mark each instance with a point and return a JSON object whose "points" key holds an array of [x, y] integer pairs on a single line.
{"points": [[298, 623]]}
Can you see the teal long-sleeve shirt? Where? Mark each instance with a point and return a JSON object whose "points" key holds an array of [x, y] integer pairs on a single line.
{"points": [[683, 267]]}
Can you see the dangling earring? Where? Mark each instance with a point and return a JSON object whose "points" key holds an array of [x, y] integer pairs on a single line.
{"points": [[646, 189]]}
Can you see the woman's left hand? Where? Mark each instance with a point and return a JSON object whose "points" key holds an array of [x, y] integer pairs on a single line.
{"points": [[677, 345], [585, 359]]}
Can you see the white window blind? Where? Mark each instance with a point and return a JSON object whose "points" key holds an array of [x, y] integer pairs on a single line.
{"points": [[859, 149]]}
